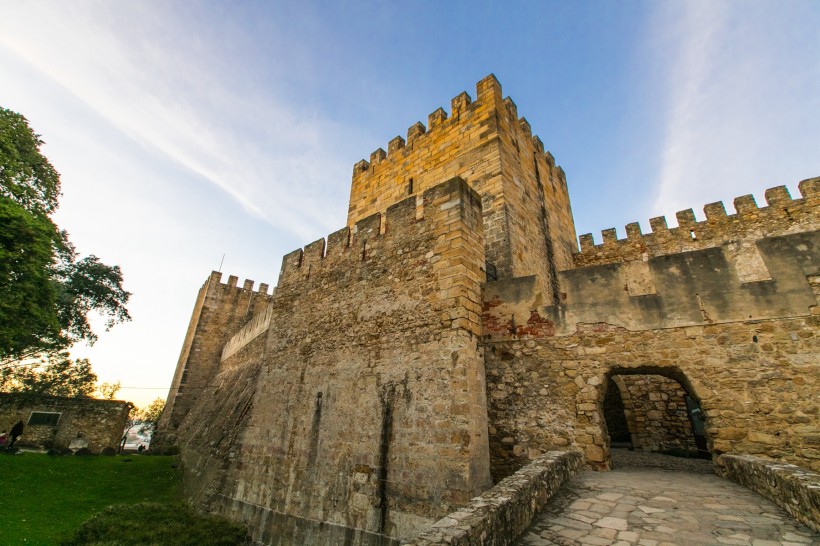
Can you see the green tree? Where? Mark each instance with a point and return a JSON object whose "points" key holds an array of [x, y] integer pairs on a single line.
{"points": [[46, 290], [150, 415], [146, 419], [109, 390], [58, 375]]}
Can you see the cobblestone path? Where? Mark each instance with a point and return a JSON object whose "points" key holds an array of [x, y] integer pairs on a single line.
{"points": [[655, 500]]}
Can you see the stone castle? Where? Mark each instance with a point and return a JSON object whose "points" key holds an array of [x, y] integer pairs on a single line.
{"points": [[453, 331]]}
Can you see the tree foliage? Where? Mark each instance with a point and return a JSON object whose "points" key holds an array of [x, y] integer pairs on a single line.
{"points": [[47, 291], [26, 176], [108, 391], [146, 419], [150, 415], [58, 375]]}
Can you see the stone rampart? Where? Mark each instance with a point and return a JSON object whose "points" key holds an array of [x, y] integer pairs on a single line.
{"points": [[255, 327], [781, 216], [501, 514], [363, 407], [221, 310], [756, 382], [794, 489], [677, 290]]}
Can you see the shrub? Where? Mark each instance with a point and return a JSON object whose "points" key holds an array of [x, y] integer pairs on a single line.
{"points": [[152, 523]]}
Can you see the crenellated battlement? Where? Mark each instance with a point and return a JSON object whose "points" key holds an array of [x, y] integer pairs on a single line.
{"points": [[465, 113], [437, 120], [232, 284], [399, 230], [782, 214], [484, 141]]}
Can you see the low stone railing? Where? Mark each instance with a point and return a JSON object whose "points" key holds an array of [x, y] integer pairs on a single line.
{"points": [[500, 514], [791, 487]]}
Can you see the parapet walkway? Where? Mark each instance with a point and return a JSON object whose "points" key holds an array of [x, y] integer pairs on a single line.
{"points": [[656, 500]]}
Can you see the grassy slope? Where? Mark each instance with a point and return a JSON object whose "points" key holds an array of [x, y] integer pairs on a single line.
{"points": [[44, 500]]}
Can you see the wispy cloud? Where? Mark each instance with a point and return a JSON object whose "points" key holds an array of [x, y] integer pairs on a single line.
{"points": [[739, 100], [183, 99]]}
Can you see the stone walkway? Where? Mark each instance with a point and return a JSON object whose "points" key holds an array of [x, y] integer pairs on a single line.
{"points": [[655, 500]]}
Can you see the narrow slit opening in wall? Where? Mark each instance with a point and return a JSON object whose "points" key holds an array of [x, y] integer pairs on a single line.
{"points": [[364, 250], [692, 235], [410, 187]]}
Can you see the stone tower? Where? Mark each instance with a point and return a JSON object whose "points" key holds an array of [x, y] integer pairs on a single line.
{"points": [[528, 225]]}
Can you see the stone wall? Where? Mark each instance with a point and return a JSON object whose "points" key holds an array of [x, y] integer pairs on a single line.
{"points": [[794, 489], [501, 514], [656, 413], [220, 311], [539, 218], [690, 288], [758, 397], [528, 224], [101, 422], [366, 410], [737, 232]]}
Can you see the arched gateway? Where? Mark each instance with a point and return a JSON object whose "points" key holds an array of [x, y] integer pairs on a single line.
{"points": [[655, 410]]}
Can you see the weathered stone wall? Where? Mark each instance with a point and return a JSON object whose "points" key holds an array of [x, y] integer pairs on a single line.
{"points": [[737, 231], [656, 413], [354, 407], [368, 413], [758, 397], [220, 311], [501, 514], [539, 217], [690, 288], [528, 224], [746, 347], [794, 489], [101, 422], [210, 433]]}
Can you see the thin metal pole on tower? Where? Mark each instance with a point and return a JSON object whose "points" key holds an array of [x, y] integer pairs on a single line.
{"points": [[220, 263]]}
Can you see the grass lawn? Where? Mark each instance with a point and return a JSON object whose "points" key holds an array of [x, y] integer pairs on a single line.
{"points": [[44, 500]]}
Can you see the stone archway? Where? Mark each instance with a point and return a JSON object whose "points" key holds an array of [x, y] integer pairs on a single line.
{"points": [[661, 412]]}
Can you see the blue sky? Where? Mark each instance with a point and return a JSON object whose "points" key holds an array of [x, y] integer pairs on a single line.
{"points": [[185, 130]]}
